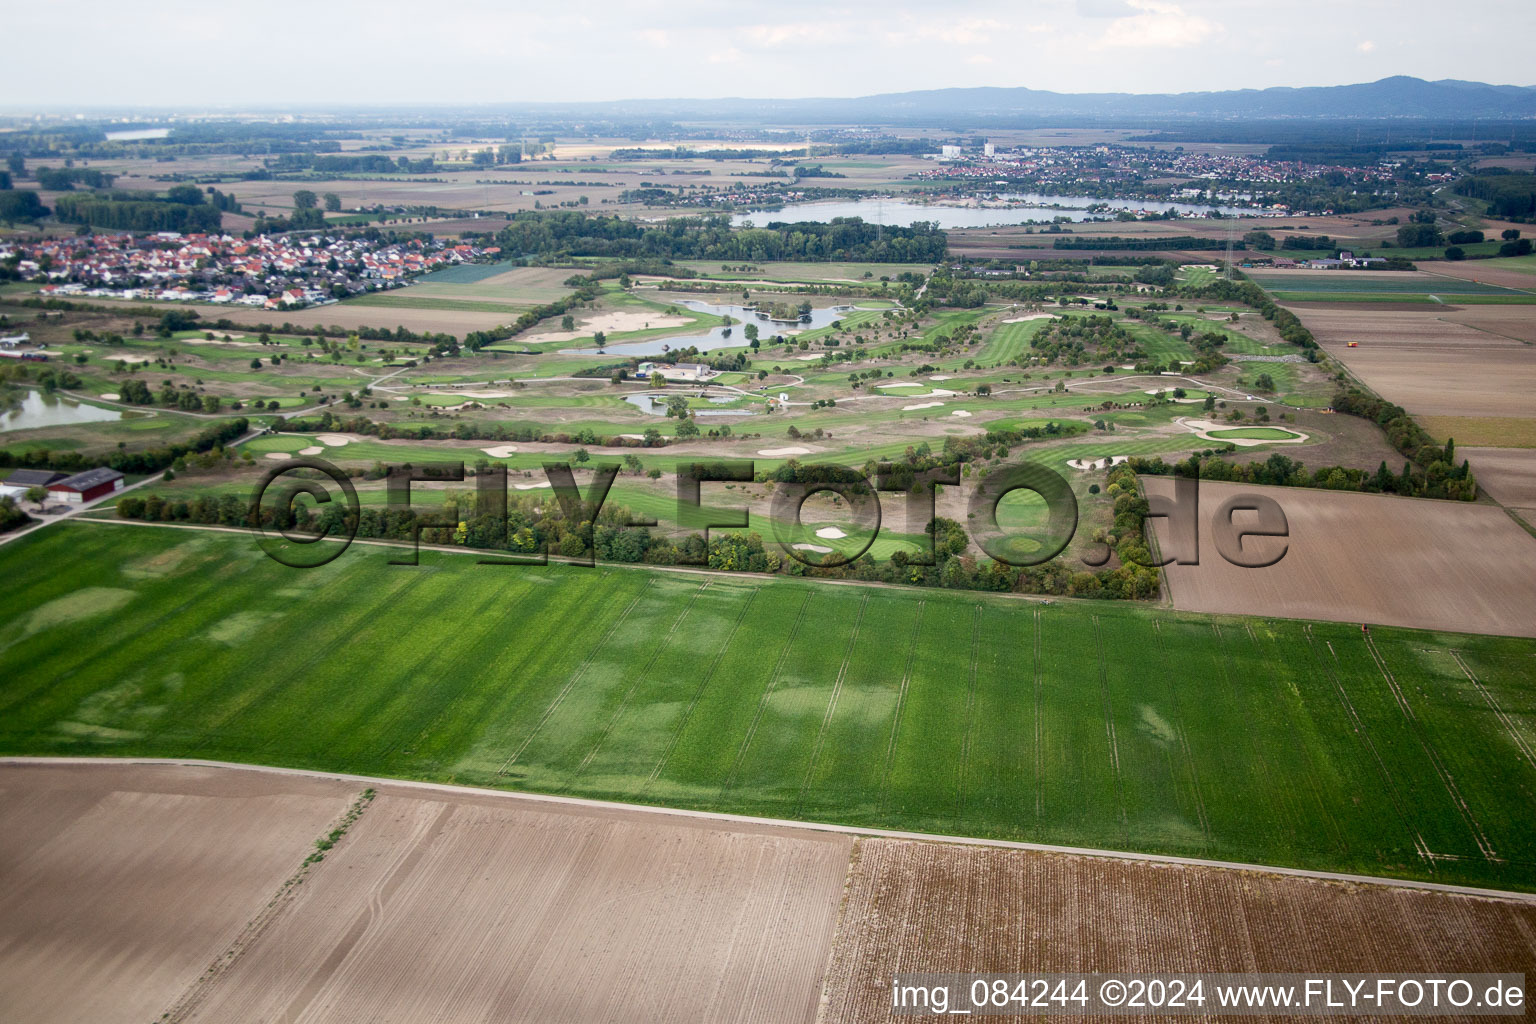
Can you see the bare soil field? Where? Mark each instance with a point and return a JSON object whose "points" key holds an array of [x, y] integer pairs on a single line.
{"points": [[121, 882], [1365, 558], [923, 907], [1507, 474], [1518, 322], [1480, 271], [532, 285], [481, 908], [1431, 363], [141, 892], [347, 315], [124, 883]]}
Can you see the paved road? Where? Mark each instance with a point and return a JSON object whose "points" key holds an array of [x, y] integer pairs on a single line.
{"points": [[743, 819]]}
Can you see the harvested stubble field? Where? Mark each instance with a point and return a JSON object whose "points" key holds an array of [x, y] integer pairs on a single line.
{"points": [[1365, 557], [929, 907], [1431, 364], [1088, 724]]}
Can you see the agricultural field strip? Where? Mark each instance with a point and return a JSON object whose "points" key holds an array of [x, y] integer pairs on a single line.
{"points": [[449, 789], [940, 723]]}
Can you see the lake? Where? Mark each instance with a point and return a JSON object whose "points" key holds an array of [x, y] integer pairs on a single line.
{"points": [[40, 410], [903, 213], [716, 338]]}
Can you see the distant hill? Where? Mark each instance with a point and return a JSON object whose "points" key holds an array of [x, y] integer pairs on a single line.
{"points": [[1399, 97]]}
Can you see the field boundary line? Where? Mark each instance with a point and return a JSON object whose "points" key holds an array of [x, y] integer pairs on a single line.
{"points": [[813, 826], [565, 690], [826, 718]]}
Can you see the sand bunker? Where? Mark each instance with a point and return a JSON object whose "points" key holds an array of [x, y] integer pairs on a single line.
{"points": [[1203, 428], [1113, 460], [921, 405], [1031, 316], [633, 437], [531, 487], [961, 413], [902, 384], [311, 450], [279, 455], [777, 453], [110, 396], [501, 451], [133, 359], [941, 377], [333, 440], [830, 533], [624, 320], [812, 547]]}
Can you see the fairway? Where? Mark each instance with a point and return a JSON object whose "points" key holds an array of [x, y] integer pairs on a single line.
{"points": [[1091, 724]]}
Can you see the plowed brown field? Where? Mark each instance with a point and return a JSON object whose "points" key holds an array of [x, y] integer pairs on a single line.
{"points": [[135, 892], [1366, 558], [119, 884], [928, 907], [1435, 363]]}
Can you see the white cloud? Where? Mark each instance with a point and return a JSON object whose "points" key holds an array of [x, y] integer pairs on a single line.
{"points": [[978, 58], [1158, 26], [730, 55], [656, 37], [1366, 46]]}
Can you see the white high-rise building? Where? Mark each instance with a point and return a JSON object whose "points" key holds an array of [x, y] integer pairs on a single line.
{"points": [[988, 152]]}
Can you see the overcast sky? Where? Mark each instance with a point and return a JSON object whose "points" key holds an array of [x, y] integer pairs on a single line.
{"points": [[318, 52]]}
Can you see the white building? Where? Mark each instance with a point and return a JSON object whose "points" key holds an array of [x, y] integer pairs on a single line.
{"points": [[949, 153]]}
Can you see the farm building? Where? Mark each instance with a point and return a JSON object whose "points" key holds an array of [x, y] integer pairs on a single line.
{"points": [[25, 478], [87, 486]]}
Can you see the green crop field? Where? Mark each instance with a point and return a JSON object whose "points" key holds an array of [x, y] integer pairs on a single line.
{"points": [[1322, 284], [1096, 724]]}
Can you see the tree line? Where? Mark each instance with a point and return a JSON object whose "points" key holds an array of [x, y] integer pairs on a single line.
{"points": [[572, 233]]}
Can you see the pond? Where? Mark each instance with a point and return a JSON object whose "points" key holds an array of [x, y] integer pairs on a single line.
{"points": [[657, 406], [40, 410], [1027, 207], [716, 337]]}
